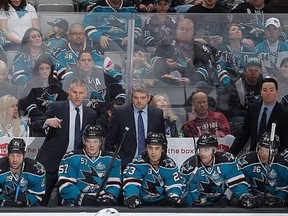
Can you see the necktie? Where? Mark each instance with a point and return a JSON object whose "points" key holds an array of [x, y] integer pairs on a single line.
{"points": [[141, 133], [77, 135], [262, 125]]}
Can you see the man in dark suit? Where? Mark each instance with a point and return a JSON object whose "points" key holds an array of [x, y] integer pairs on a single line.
{"points": [[60, 122], [275, 113], [127, 116]]}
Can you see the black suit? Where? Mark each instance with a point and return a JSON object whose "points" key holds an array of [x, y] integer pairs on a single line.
{"points": [[124, 117], [57, 139], [279, 116]]}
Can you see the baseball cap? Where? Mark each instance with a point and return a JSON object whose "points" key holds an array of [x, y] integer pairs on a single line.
{"points": [[156, 1], [273, 21], [253, 61], [62, 23]]}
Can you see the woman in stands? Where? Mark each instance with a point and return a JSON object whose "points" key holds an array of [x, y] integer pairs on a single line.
{"points": [[42, 90], [16, 16], [31, 48], [11, 125], [161, 101]]}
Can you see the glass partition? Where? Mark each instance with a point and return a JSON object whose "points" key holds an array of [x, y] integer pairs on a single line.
{"points": [[173, 54]]}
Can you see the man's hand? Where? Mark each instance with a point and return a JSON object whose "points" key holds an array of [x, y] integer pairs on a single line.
{"points": [[53, 122], [133, 201], [104, 41], [20, 199]]}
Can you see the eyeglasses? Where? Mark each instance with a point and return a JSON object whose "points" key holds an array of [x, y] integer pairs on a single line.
{"points": [[76, 33]]}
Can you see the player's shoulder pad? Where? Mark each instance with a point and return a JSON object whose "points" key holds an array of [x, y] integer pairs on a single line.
{"points": [[138, 160], [189, 165], [4, 165], [280, 160], [33, 166], [168, 162], [73, 153], [109, 153], [248, 158], [222, 157]]}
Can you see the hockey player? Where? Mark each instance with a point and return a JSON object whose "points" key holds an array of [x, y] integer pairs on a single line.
{"points": [[82, 171], [152, 178], [266, 172], [22, 180], [208, 173]]}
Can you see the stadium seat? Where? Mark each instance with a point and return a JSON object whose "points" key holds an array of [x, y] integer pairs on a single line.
{"points": [[54, 5]]}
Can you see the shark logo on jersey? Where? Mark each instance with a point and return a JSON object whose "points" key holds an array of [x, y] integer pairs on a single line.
{"points": [[47, 98], [169, 163], [40, 168], [91, 178], [116, 24], [211, 189], [259, 183], [153, 188], [229, 156]]}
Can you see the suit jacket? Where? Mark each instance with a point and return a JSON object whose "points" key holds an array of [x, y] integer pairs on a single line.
{"points": [[124, 117], [57, 139], [279, 116]]}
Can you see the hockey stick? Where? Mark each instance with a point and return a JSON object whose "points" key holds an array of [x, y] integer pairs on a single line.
{"points": [[273, 128], [111, 164]]}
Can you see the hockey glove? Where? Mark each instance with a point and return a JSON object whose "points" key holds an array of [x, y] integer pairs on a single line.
{"points": [[133, 201], [199, 202], [86, 200], [268, 201], [107, 199], [247, 200], [176, 201], [20, 199]]}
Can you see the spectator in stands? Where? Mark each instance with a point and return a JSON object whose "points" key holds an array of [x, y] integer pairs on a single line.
{"points": [[161, 101], [41, 90], [272, 172], [204, 120], [5, 87], [153, 178], [58, 37], [210, 26], [144, 6], [108, 31], [209, 173], [253, 20], [141, 68], [67, 56], [184, 5], [233, 56], [16, 17], [272, 50], [98, 82], [254, 122], [11, 125], [282, 78], [158, 26], [193, 62], [3, 56], [31, 48]]}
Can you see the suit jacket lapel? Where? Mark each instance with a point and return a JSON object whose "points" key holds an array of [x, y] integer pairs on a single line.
{"points": [[131, 121]]}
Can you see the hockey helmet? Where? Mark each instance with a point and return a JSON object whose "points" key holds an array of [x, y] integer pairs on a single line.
{"points": [[16, 145], [207, 140], [91, 131], [156, 138], [265, 141], [107, 212]]}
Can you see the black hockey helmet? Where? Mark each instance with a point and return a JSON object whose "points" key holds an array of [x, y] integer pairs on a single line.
{"points": [[156, 138], [207, 140], [16, 145], [265, 141], [91, 131]]}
